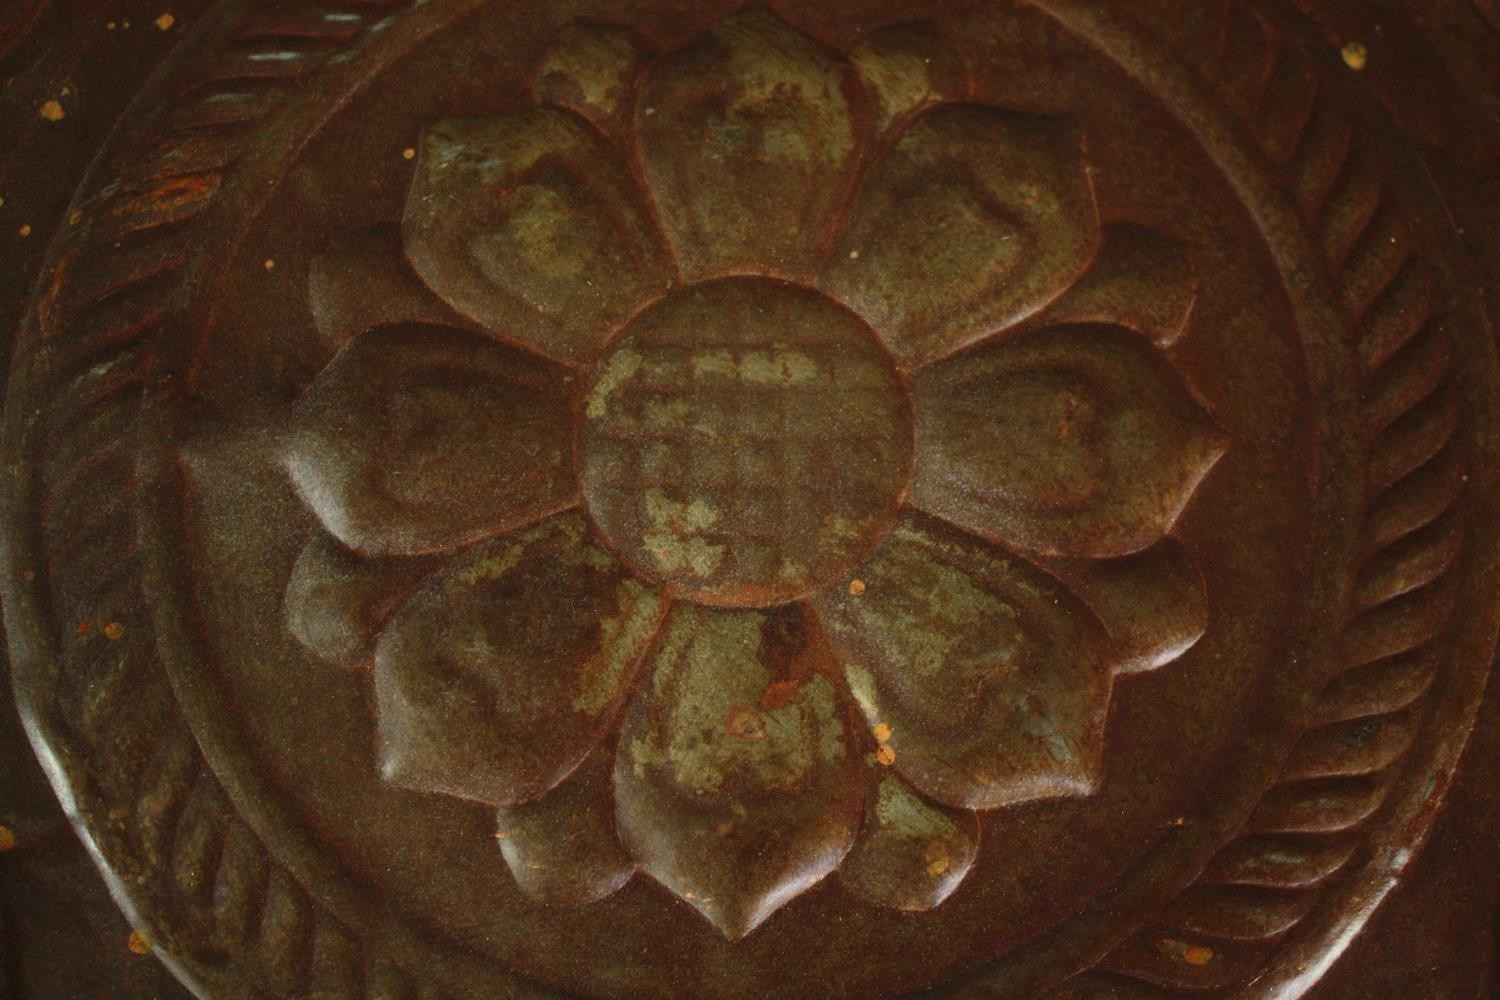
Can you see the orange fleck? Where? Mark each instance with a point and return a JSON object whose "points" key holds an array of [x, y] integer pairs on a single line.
{"points": [[885, 755], [882, 732], [745, 723], [856, 587], [1192, 954], [52, 111], [138, 943], [84, 628], [7, 839], [938, 860], [408, 153], [165, 22], [1356, 56], [778, 695], [270, 264], [24, 230], [501, 835], [75, 218], [1180, 821], [1198, 955], [114, 630]]}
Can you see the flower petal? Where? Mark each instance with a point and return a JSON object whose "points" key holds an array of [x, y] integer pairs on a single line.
{"points": [[531, 225], [975, 219], [749, 141], [912, 853], [337, 603], [365, 282], [562, 848], [419, 438], [1153, 604], [992, 678], [906, 68], [735, 783], [1075, 441], [497, 679], [592, 70], [1142, 281]]}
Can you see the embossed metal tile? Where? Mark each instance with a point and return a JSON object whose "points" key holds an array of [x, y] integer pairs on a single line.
{"points": [[683, 499]]}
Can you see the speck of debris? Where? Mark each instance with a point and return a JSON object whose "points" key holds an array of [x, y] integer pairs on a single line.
{"points": [[1356, 56], [7, 839], [165, 22], [501, 835], [745, 723], [885, 755], [113, 630], [408, 153], [52, 111], [1198, 955], [270, 264], [854, 255], [138, 943], [856, 587], [84, 628], [882, 732], [75, 218], [24, 230]]}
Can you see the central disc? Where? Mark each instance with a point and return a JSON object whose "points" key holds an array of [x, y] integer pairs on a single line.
{"points": [[745, 442]]}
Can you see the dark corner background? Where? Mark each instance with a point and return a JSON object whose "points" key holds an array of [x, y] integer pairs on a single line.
{"points": [[61, 937]]}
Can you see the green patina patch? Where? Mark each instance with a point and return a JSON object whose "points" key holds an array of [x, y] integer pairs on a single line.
{"points": [[615, 372], [708, 675], [623, 640], [901, 812]]}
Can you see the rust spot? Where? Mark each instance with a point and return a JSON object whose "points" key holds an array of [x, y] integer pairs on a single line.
{"points": [[52, 111], [856, 587], [84, 628], [138, 943], [501, 835], [114, 630], [1356, 56], [885, 755], [1192, 954], [745, 723], [270, 264], [882, 732], [778, 695], [24, 230], [165, 22], [408, 153], [7, 839]]}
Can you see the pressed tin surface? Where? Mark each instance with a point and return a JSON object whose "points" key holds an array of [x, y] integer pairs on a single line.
{"points": [[687, 500]]}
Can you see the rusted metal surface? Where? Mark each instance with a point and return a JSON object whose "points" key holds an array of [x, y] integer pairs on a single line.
{"points": [[661, 499]]}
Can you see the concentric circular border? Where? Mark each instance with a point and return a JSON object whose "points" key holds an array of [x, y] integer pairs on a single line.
{"points": [[93, 409]]}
